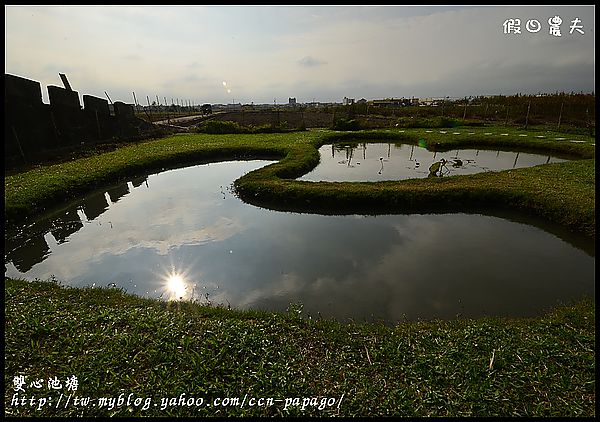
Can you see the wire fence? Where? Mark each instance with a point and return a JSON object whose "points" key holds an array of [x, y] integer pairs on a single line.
{"points": [[560, 111]]}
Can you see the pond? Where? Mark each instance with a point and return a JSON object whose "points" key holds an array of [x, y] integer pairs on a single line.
{"points": [[387, 161], [183, 234]]}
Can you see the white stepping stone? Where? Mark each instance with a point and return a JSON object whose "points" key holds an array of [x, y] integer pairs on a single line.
{"points": [[560, 139], [471, 133], [442, 131], [429, 131], [540, 136], [504, 134], [456, 133], [578, 142], [487, 133], [522, 135]]}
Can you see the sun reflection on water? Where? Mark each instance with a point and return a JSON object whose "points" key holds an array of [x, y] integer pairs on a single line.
{"points": [[177, 286]]}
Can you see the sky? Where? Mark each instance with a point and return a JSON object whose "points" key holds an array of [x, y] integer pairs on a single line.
{"points": [[267, 54]]}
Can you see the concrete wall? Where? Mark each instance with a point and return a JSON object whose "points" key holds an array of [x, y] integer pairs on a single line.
{"points": [[95, 104], [33, 128], [123, 110], [17, 89], [61, 97]]}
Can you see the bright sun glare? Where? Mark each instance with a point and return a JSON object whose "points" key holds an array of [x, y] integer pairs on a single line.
{"points": [[176, 285]]}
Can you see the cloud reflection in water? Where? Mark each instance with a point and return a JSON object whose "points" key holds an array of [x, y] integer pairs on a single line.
{"points": [[185, 238]]}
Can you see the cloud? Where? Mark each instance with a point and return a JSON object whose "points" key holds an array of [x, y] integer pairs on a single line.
{"points": [[132, 57], [357, 52], [309, 61]]}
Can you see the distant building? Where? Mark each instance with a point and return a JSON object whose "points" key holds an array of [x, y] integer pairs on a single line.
{"points": [[234, 107], [395, 102], [433, 102], [292, 102], [348, 101]]}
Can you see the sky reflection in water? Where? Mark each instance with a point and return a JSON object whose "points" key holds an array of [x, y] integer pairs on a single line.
{"points": [[142, 234], [386, 161]]}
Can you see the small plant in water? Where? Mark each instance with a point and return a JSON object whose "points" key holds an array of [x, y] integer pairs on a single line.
{"points": [[54, 280]]}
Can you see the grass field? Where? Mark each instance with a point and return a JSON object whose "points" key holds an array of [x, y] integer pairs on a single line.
{"points": [[164, 353]]}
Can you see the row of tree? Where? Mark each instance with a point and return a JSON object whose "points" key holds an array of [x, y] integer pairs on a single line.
{"points": [[575, 109]]}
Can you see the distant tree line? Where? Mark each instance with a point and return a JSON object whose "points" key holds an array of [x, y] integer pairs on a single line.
{"points": [[558, 110]]}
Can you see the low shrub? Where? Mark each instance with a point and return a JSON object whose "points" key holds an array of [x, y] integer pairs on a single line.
{"points": [[347, 124], [428, 122], [220, 127]]}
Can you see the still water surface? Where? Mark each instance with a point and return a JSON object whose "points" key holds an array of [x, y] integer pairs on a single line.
{"points": [[386, 161], [186, 222]]}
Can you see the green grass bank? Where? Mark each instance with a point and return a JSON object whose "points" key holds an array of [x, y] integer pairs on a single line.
{"points": [[562, 193], [116, 344]]}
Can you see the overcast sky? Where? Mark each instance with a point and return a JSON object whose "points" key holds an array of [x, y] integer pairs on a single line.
{"points": [[266, 54]]}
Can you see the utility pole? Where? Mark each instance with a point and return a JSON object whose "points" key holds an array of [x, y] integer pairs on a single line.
{"points": [[560, 115], [147, 113], [135, 102]]}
